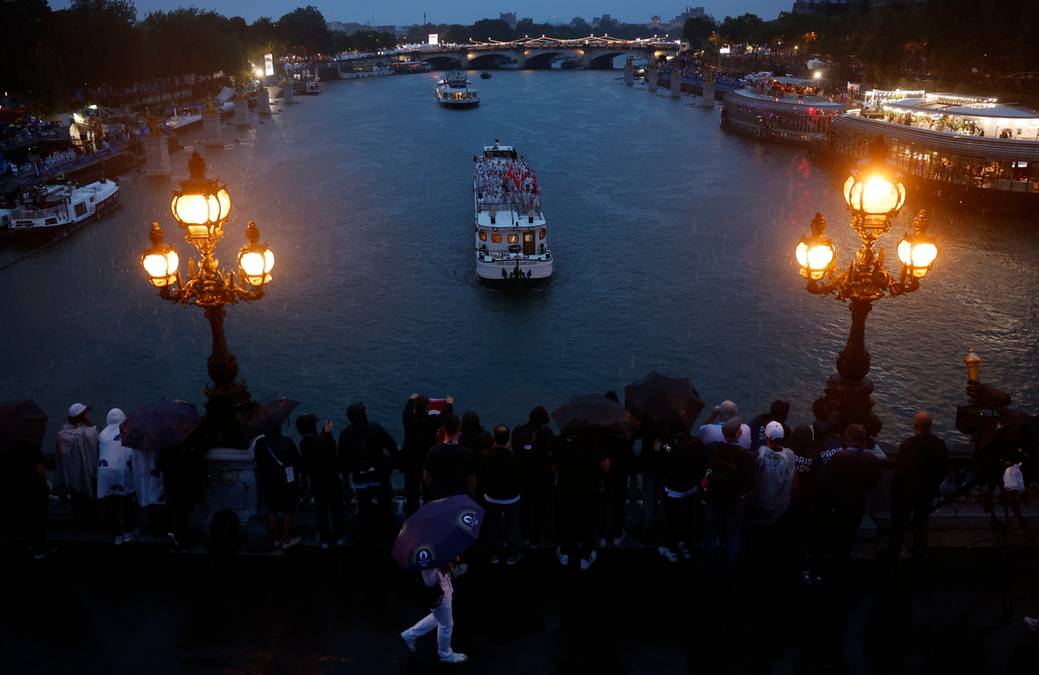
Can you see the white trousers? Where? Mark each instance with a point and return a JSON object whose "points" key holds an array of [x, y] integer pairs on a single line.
{"points": [[440, 618]]}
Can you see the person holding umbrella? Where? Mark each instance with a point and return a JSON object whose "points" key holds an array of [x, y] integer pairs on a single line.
{"points": [[430, 542]]}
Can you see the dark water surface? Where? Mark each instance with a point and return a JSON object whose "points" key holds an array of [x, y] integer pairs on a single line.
{"points": [[674, 251]]}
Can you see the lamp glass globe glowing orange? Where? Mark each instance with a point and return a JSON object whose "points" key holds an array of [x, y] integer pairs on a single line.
{"points": [[201, 205], [160, 262], [917, 251], [255, 260], [816, 254]]}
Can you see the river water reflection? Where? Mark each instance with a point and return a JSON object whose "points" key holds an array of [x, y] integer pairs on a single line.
{"points": [[673, 244]]}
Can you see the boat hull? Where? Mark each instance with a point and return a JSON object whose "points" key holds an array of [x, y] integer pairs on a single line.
{"points": [[459, 105], [506, 274]]}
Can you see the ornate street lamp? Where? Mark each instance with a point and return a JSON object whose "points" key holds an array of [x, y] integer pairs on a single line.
{"points": [[874, 196], [201, 207]]}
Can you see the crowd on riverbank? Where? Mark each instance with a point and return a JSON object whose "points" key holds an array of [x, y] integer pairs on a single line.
{"points": [[718, 493]]}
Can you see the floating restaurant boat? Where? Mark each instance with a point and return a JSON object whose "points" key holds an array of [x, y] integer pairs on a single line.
{"points": [[364, 71], [52, 207], [511, 234], [781, 108], [182, 118], [964, 147], [454, 91], [407, 67]]}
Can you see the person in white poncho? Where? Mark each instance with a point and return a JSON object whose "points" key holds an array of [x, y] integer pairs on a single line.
{"points": [[115, 480]]}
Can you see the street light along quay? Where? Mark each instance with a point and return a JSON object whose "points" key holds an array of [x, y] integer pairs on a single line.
{"points": [[201, 207], [874, 196]]}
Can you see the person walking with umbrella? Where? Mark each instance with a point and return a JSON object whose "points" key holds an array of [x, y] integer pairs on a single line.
{"points": [[430, 542], [75, 464]]}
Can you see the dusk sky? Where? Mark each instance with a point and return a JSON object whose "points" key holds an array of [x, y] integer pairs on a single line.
{"points": [[403, 12]]}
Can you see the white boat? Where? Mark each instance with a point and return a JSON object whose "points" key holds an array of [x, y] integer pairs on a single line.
{"points": [[454, 91], [311, 87], [51, 207], [511, 233], [183, 118], [363, 71]]}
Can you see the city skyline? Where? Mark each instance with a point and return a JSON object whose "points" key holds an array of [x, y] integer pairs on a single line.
{"points": [[409, 12]]}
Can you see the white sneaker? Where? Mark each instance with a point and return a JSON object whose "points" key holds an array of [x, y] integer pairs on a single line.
{"points": [[119, 540], [587, 562], [324, 545], [290, 542], [619, 539], [454, 657], [341, 542], [409, 641], [602, 542], [1032, 624], [564, 559], [129, 538], [686, 553], [668, 554]]}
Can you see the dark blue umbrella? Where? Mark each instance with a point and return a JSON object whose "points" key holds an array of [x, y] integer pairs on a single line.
{"points": [[437, 533], [155, 426], [672, 401], [594, 411], [269, 417]]}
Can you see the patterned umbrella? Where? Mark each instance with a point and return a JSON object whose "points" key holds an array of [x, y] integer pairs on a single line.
{"points": [[671, 400], [24, 420], [437, 533], [594, 410], [158, 425]]}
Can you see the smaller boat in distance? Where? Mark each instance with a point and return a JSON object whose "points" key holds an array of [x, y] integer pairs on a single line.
{"points": [[52, 207], [183, 117], [454, 91], [485, 75]]}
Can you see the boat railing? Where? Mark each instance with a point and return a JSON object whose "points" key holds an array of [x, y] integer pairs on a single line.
{"points": [[37, 214], [511, 208]]}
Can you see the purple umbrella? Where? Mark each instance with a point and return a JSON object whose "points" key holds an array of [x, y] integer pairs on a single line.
{"points": [[437, 533], [155, 426]]}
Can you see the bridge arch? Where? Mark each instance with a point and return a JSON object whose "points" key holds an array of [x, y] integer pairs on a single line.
{"points": [[604, 60], [480, 60], [542, 60], [443, 61]]}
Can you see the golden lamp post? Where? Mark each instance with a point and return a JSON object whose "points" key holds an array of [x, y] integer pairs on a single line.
{"points": [[201, 207], [874, 196]]}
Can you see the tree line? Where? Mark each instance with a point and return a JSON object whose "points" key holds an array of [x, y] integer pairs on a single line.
{"points": [[952, 42]]}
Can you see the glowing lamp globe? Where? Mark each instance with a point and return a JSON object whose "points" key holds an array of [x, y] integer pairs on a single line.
{"points": [[255, 260], [202, 204], [160, 262], [874, 194], [815, 253], [916, 250]]}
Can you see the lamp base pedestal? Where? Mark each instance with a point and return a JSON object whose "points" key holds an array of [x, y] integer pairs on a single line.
{"points": [[849, 402], [231, 484]]}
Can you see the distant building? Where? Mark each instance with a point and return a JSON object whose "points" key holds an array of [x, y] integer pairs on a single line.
{"points": [[509, 18], [350, 27], [600, 20], [689, 13], [817, 6], [654, 21]]}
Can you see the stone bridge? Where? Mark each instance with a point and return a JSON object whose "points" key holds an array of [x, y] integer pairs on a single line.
{"points": [[589, 52]]}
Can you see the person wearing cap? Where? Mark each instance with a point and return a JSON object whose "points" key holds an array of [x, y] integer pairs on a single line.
{"points": [[115, 481], [711, 432], [75, 464], [779, 411]]}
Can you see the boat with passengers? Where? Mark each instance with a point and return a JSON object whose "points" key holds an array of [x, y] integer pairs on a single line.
{"points": [[50, 208], [790, 109], [966, 148], [511, 233], [454, 91]]}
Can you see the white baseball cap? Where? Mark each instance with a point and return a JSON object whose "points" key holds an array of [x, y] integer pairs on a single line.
{"points": [[77, 409], [774, 430]]}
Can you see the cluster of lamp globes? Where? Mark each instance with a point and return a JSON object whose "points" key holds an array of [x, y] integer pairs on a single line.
{"points": [[201, 207], [873, 199]]}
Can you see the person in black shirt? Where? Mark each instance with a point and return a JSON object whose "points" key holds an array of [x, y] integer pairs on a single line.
{"points": [[614, 495], [533, 443], [321, 459], [777, 412], [582, 461], [499, 480], [367, 452], [684, 464], [420, 434], [804, 498], [847, 479], [278, 465], [729, 480], [450, 467], [25, 494], [919, 471], [472, 434]]}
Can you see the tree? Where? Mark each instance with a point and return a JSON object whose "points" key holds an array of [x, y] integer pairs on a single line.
{"points": [[742, 29], [304, 31], [697, 30], [493, 29]]}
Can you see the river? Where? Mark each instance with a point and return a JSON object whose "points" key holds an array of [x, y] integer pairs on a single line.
{"points": [[673, 245]]}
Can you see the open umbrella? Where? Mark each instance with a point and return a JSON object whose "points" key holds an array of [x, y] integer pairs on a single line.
{"points": [[155, 426], [269, 416], [594, 410], [24, 420], [671, 400], [437, 533]]}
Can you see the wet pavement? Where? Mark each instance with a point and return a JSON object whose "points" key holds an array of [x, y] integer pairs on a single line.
{"points": [[95, 608]]}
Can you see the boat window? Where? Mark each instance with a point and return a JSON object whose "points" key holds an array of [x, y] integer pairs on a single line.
{"points": [[542, 232], [81, 209], [513, 238], [483, 235], [496, 238], [528, 236]]}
